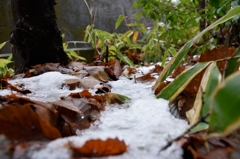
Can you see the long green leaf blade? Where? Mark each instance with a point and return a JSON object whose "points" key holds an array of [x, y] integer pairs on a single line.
{"points": [[175, 61], [233, 64], [178, 85], [225, 116], [119, 21], [2, 44], [210, 81], [125, 59]]}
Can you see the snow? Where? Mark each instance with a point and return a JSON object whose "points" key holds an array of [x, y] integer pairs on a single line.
{"points": [[144, 123]]}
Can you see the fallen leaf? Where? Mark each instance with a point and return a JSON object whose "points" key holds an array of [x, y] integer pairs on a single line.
{"points": [[178, 71], [75, 112], [47, 67], [113, 98], [99, 148], [72, 83], [145, 78], [4, 84], [114, 69], [161, 87], [20, 121]]}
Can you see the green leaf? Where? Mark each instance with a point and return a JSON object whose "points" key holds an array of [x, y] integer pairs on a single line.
{"points": [[164, 58], [4, 62], [125, 59], [225, 116], [210, 81], [171, 91], [232, 64], [175, 61], [214, 3], [2, 44], [119, 21], [172, 51]]}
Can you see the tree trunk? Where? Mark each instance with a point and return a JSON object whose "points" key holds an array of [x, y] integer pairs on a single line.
{"points": [[36, 38]]}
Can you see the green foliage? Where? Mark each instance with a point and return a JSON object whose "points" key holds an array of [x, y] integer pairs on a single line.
{"points": [[178, 21], [72, 55], [220, 99], [171, 91], [114, 42], [175, 61], [4, 62], [225, 117]]}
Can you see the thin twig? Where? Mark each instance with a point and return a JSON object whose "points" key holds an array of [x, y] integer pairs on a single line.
{"points": [[202, 119]]}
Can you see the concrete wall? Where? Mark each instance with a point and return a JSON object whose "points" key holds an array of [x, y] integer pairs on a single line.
{"points": [[73, 17]]}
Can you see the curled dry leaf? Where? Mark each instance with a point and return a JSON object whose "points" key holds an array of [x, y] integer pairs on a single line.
{"points": [[19, 120], [76, 66], [114, 69], [113, 98], [4, 83], [98, 72], [75, 112], [89, 82], [145, 78], [157, 69], [72, 83], [103, 88], [99, 100], [128, 72], [99, 148]]}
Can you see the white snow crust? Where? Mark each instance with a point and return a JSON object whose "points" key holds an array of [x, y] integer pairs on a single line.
{"points": [[144, 123]]}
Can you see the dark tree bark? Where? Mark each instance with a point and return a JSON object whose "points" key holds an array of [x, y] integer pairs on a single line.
{"points": [[36, 38]]}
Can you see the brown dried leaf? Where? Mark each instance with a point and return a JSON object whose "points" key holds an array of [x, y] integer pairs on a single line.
{"points": [[76, 66], [20, 121], [114, 69], [99, 148], [72, 83], [157, 69], [178, 71], [218, 53], [145, 78], [89, 82], [48, 67], [161, 87], [75, 112], [4, 83]]}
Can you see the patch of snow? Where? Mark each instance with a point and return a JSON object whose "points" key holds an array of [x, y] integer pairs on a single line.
{"points": [[144, 123], [46, 87]]}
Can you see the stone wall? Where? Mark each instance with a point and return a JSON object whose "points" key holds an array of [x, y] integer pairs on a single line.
{"points": [[73, 17]]}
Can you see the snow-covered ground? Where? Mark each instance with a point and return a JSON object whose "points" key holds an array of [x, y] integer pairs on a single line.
{"points": [[144, 123]]}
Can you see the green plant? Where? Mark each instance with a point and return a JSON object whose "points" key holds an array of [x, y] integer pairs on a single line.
{"points": [[214, 92], [4, 62], [112, 43], [72, 55]]}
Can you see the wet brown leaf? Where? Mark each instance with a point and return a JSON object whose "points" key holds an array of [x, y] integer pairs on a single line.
{"points": [[20, 121], [75, 112], [98, 72], [99, 148]]}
